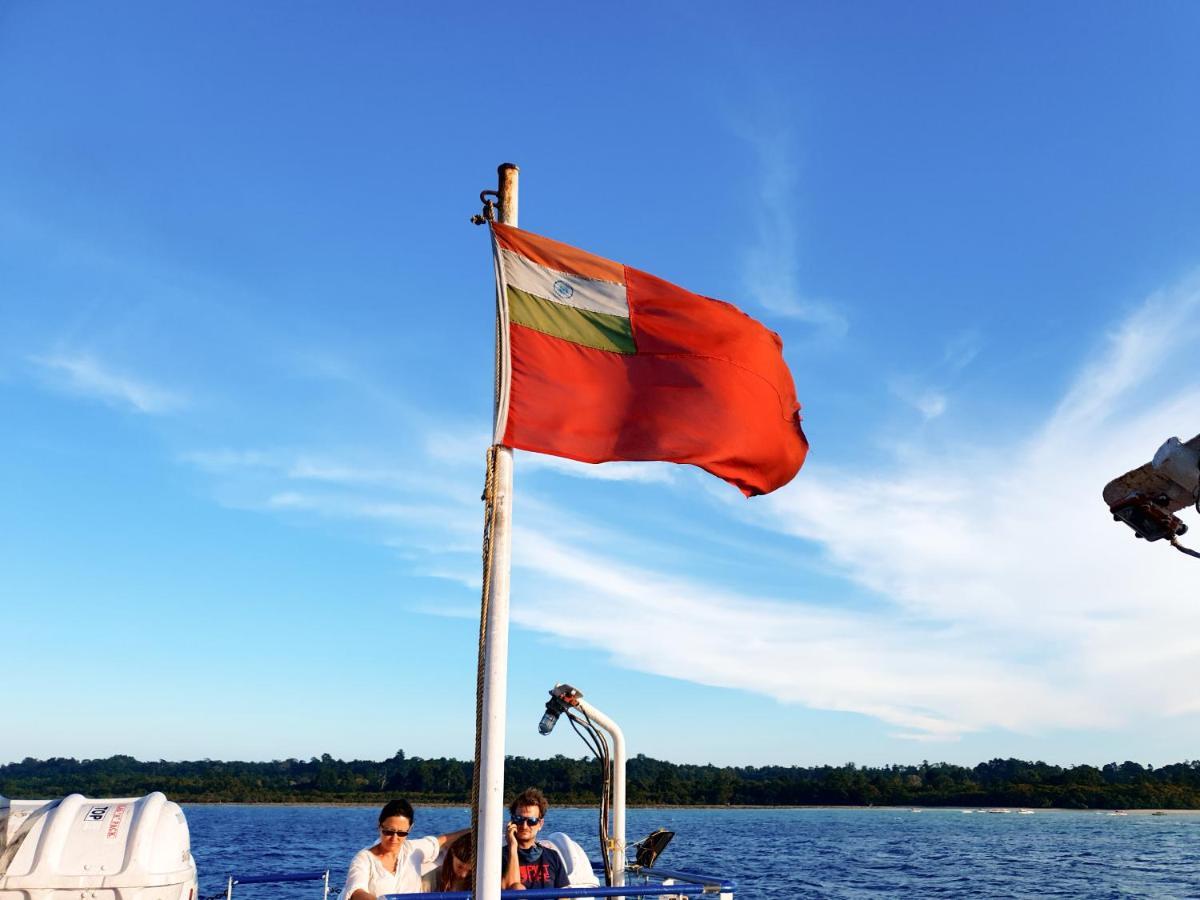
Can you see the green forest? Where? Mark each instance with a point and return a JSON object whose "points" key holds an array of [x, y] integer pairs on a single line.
{"points": [[651, 782]]}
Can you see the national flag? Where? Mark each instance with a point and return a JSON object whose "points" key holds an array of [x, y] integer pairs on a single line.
{"points": [[606, 362]]}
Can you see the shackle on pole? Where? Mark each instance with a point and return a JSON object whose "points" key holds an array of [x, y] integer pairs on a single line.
{"points": [[503, 207], [489, 208]]}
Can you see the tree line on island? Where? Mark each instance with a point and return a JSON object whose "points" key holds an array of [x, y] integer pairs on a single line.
{"points": [[651, 782]]}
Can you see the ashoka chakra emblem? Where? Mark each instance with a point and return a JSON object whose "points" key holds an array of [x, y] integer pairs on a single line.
{"points": [[563, 290]]}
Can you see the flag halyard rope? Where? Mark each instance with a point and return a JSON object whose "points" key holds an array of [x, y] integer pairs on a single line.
{"points": [[489, 521]]}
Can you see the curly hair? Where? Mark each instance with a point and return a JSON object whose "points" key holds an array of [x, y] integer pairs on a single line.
{"points": [[530, 797]]}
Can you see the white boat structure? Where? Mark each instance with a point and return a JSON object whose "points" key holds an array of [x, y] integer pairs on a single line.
{"points": [[73, 848]]}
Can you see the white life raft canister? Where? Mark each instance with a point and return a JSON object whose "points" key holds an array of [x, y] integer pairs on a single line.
{"points": [[79, 849]]}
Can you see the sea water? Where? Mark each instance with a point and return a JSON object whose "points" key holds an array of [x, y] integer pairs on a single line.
{"points": [[774, 854]]}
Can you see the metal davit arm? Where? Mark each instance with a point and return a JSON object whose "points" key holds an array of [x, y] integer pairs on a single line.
{"points": [[563, 699], [617, 848]]}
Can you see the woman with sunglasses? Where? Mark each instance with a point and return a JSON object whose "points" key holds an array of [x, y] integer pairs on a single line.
{"points": [[395, 864]]}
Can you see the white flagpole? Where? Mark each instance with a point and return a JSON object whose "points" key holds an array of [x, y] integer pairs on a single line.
{"points": [[495, 646]]}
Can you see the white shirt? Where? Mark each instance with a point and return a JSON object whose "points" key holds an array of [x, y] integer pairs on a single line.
{"points": [[367, 873]]}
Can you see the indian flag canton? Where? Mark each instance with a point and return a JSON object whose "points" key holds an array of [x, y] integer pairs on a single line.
{"points": [[570, 295], [604, 362]]}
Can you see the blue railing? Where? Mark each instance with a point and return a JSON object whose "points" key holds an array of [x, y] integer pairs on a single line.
{"points": [[322, 876], [638, 885], [285, 876], [685, 884]]}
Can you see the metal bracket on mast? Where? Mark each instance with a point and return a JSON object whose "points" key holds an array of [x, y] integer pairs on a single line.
{"points": [[489, 208]]}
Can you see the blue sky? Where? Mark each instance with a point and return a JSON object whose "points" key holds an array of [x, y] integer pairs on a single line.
{"points": [[245, 375]]}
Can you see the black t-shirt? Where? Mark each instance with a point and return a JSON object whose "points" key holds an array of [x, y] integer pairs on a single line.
{"points": [[540, 867]]}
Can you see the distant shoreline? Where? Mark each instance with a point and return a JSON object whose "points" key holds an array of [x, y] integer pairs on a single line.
{"points": [[978, 810], [651, 783]]}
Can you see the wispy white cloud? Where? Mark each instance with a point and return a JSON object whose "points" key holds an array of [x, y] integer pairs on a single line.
{"points": [[1137, 349], [929, 392], [795, 652], [340, 506], [1011, 546], [960, 351], [84, 375], [771, 266], [455, 443], [423, 514], [316, 469], [307, 466], [226, 460], [929, 402]]}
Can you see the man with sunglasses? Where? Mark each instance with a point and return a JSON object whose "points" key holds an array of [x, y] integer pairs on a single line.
{"points": [[526, 863]]}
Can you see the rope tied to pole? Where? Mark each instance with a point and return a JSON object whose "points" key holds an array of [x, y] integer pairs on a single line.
{"points": [[489, 521]]}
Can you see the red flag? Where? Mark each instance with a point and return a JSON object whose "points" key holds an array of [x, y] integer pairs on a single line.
{"points": [[610, 363]]}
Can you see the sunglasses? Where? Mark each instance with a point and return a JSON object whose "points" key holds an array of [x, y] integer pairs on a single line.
{"points": [[391, 832], [525, 820]]}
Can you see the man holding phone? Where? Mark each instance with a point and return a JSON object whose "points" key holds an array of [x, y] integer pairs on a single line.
{"points": [[526, 863]]}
